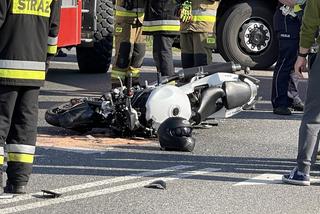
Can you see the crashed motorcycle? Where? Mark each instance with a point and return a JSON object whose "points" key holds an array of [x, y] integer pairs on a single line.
{"points": [[195, 94]]}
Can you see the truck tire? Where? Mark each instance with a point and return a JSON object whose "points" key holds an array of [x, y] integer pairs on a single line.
{"points": [[98, 57], [245, 35]]}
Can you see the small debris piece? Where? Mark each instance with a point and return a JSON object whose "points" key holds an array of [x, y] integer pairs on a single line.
{"points": [[50, 194], [158, 184]]}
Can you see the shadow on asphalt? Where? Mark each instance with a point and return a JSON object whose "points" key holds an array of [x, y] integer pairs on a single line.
{"points": [[97, 164]]}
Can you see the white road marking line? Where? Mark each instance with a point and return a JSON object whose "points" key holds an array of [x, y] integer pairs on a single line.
{"points": [[90, 168], [215, 162], [261, 180], [267, 178], [99, 183], [103, 191]]}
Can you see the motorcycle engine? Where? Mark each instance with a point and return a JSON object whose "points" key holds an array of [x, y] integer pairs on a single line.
{"points": [[167, 101]]}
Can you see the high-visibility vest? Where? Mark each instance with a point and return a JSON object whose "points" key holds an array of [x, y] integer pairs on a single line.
{"points": [[28, 32]]}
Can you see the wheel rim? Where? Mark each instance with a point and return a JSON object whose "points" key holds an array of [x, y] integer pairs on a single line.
{"points": [[254, 36]]}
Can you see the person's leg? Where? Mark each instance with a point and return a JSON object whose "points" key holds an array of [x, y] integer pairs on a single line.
{"points": [[123, 52], [21, 139], [308, 132], [8, 96], [293, 93], [281, 74], [187, 48], [310, 124], [139, 49], [204, 45], [162, 54]]}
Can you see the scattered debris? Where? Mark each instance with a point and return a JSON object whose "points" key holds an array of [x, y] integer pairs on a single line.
{"points": [[50, 194], [158, 184]]}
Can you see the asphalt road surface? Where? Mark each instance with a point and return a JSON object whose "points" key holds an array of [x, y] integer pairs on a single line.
{"points": [[236, 167]]}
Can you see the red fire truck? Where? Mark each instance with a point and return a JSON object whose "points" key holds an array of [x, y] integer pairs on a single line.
{"points": [[244, 32]]}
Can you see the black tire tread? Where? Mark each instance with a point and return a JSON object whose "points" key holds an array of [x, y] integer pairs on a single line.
{"points": [[228, 47], [97, 59]]}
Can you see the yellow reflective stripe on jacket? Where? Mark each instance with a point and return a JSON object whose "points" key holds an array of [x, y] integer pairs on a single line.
{"points": [[22, 74], [52, 49], [129, 13], [160, 28], [203, 18], [1, 160], [22, 158], [33, 7]]}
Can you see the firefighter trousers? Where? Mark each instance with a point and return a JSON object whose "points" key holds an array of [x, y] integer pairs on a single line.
{"points": [[162, 53], [18, 130], [130, 49], [196, 48]]}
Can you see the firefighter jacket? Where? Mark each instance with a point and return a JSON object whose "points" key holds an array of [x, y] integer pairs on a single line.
{"points": [[28, 32], [129, 11], [160, 18], [203, 17]]}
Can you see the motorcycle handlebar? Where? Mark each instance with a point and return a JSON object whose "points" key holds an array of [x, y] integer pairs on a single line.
{"points": [[228, 67]]}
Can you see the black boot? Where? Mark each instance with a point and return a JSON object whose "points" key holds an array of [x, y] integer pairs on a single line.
{"points": [[1, 180], [15, 189]]}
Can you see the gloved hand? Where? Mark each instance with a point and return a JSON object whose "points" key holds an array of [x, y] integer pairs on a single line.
{"points": [[186, 11]]}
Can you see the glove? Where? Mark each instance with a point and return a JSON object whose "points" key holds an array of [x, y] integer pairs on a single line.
{"points": [[186, 11]]}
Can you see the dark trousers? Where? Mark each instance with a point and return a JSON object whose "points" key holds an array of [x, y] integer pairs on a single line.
{"points": [[162, 53], [287, 29], [309, 132], [18, 130]]}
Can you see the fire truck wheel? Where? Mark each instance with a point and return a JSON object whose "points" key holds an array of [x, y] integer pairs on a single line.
{"points": [[245, 35], [98, 58]]}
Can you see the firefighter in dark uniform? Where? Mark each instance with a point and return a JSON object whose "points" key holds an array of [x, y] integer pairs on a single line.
{"points": [[28, 32], [161, 22], [287, 22], [129, 42], [197, 21]]}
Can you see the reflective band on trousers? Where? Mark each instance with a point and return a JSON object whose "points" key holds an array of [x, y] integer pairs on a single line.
{"points": [[34, 7], [161, 25], [52, 49], [20, 148], [52, 40], [22, 65], [22, 74], [22, 158], [129, 14], [123, 74], [115, 74], [1, 159]]}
